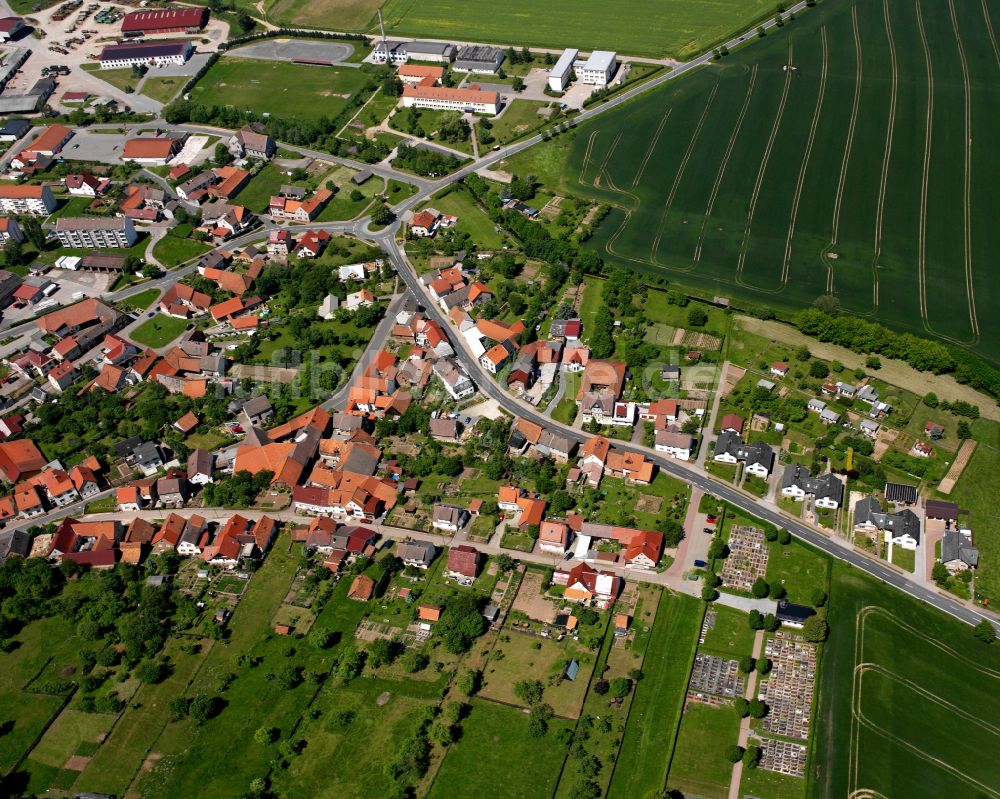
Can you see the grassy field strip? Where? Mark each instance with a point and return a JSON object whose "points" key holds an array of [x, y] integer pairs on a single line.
{"points": [[680, 169], [649, 739], [805, 159], [763, 164], [117, 763], [725, 161]]}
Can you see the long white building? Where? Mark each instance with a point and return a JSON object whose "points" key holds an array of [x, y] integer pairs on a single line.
{"points": [[150, 54], [473, 99], [560, 74]]}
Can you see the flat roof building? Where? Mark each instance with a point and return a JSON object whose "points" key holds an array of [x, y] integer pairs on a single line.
{"points": [[598, 69], [478, 58], [560, 74], [95, 232]]}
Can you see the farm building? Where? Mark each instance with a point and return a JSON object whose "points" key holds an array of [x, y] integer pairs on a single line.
{"points": [[164, 21]]}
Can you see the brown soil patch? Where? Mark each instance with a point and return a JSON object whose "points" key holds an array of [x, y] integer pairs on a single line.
{"points": [[77, 763], [733, 375], [529, 599], [648, 503], [383, 698], [151, 760], [68, 671], [958, 466]]}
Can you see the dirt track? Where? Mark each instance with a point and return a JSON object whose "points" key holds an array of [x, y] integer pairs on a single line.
{"points": [[896, 372]]}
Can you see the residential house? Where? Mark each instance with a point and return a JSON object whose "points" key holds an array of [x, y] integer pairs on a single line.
{"points": [[674, 443], [418, 554], [249, 143], [463, 564], [554, 536], [172, 491], [957, 551], [199, 467], [449, 518], [901, 528], [757, 456], [362, 588], [827, 489], [584, 584]]}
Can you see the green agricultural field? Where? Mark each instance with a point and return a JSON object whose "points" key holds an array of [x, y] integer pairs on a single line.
{"points": [[496, 756], [341, 15], [158, 331], [864, 170], [904, 691], [976, 492], [279, 87], [678, 28], [649, 736]]}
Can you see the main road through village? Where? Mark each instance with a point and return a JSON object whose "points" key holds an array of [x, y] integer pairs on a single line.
{"points": [[386, 239]]}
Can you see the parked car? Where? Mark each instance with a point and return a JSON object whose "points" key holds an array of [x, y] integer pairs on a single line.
{"points": [[708, 530], [711, 518], [700, 564]]}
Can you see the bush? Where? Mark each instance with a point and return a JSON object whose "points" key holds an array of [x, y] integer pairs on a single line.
{"points": [[758, 708], [760, 588], [746, 664], [985, 632], [734, 754]]}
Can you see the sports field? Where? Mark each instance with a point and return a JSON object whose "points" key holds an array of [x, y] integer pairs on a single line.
{"points": [[678, 28], [279, 87], [909, 700], [849, 153]]}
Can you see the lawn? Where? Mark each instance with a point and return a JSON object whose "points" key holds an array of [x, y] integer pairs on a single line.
{"points": [[928, 688], [659, 699], [906, 559], [262, 186], [651, 27], [566, 409], [731, 634], [159, 331], [798, 567], [520, 660], [699, 766], [140, 301], [342, 206], [708, 196], [279, 87], [172, 250], [497, 757], [119, 78], [425, 122], [519, 118], [105, 505], [471, 218], [162, 89], [760, 782], [976, 492]]}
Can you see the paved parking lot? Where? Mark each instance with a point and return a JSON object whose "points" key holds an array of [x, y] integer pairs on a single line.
{"points": [[287, 49]]}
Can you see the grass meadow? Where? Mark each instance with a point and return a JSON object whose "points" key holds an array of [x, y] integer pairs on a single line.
{"points": [[863, 169], [649, 737], [496, 756], [279, 87], [679, 28], [903, 693]]}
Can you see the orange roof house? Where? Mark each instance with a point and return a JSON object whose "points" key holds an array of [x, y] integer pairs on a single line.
{"points": [[602, 375], [142, 149], [20, 459], [187, 422], [362, 588], [596, 448]]}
